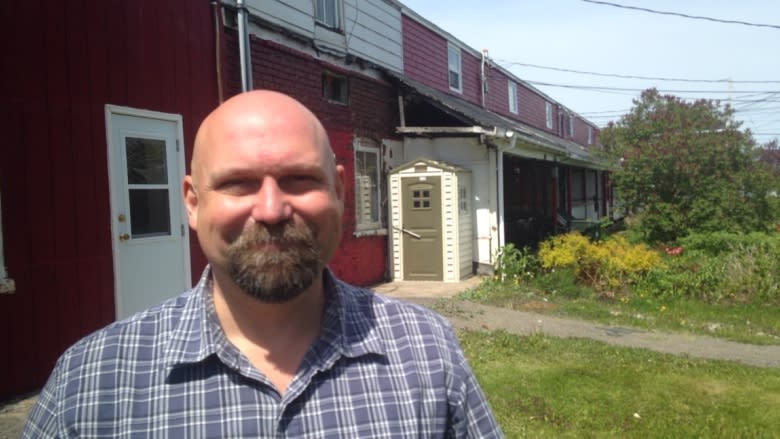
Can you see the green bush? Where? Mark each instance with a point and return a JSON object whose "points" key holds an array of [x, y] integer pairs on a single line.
{"points": [[608, 265], [515, 265], [720, 267]]}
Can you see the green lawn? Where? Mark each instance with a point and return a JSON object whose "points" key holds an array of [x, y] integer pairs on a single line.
{"points": [[542, 387]]}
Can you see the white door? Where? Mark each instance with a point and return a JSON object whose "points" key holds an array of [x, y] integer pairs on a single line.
{"points": [[150, 239]]}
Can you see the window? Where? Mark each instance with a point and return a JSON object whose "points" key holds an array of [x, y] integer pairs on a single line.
{"points": [[590, 135], [571, 125], [463, 200], [335, 88], [6, 284], [328, 13], [512, 90], [367, 213], [453, 66], [548, 116]]}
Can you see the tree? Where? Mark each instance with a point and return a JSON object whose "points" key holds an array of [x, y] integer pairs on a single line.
{"points": [[683, 167]]}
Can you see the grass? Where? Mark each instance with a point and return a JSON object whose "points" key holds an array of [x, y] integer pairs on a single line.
{"points": [[557, 294], [543, 387]]}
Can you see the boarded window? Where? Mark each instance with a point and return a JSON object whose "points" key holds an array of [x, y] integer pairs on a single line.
{"points": [[335, 88]]}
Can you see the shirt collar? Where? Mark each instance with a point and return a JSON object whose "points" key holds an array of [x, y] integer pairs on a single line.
{"points": [[349, 326], [192, 339]]}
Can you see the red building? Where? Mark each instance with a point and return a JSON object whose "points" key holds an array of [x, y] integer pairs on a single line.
{"points": [[100, 104]]}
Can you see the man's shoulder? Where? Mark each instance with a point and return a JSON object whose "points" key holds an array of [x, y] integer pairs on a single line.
{"points": [[145, 328], [393, 313]]}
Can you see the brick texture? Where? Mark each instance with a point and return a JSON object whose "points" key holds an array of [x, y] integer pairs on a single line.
{"points": [[370, 112]]}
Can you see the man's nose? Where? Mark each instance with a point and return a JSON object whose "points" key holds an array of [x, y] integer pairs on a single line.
{"points": [[271, 205]]}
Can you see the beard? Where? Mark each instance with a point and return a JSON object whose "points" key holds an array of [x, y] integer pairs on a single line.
{"points": [[279, 274]]}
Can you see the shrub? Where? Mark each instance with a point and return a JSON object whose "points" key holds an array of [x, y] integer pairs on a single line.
{"points": [[720, 267], [606, 265], [515, 265]]}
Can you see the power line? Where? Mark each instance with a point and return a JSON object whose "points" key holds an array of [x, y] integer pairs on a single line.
{"points": [[615, 75], [677, 14], [593, 87]]}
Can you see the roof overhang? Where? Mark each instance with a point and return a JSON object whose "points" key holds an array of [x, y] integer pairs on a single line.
{"points": [[508, 135]]}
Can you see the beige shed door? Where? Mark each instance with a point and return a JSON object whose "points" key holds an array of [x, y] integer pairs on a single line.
{"points": [[422, 237]]}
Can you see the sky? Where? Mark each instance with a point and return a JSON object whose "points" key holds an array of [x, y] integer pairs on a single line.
{"points": [[535, 39]]}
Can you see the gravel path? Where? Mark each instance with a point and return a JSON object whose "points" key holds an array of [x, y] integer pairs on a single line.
{"points": [[469, 315]]}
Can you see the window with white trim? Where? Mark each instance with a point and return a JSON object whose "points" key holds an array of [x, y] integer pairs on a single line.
{"points": [[590, 135], [328, 13], [571, 125], [454, 67], [548, 115], [6, 283], [512, 90], [367, 195]]}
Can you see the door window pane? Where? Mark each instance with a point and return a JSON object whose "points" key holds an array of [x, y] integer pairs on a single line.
{"points": [[149, 213], [146, 162]]}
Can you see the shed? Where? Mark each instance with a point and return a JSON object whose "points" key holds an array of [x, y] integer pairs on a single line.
{"points": [[431, 221]]}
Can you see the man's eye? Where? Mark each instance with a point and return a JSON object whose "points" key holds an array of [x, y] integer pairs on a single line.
{"points": [[238, 187], [300, 182]]}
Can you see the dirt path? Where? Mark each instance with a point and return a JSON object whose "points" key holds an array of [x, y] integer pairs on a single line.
{"points": [[469, 315]]}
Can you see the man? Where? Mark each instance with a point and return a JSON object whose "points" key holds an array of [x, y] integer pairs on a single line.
{"points": [[269, 343]]}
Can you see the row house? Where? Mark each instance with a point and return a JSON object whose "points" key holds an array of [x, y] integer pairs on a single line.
{"points": [[532, 168], [448, 156]]}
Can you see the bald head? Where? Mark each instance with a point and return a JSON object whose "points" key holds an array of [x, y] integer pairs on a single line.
{"points": [[259, 114]]}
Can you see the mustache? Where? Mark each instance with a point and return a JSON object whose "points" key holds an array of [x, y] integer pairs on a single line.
{"points": [[285, 234]]}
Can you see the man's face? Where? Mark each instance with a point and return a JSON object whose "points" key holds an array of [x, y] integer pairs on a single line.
{"points": [[266, 201]]}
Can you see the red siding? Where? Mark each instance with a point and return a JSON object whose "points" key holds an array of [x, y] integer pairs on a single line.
{"points": [[69, 61], [371, 112], [425, 60]]}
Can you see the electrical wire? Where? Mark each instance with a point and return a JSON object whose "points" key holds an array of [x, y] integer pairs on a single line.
{"points": [[507, 63], [677, 14]]}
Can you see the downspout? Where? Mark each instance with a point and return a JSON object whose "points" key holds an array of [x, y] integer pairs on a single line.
{"points": [[218, 49], [244, 55], [500, 190], [482, 77]]}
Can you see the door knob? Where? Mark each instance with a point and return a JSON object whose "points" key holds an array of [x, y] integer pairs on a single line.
{"points": [[124, 237]]}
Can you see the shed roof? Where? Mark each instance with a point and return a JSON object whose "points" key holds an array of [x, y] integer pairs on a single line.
{"points": [[429, 162]]}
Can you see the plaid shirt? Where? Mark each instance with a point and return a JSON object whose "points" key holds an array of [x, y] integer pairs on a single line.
{"points": [[380, 368]]}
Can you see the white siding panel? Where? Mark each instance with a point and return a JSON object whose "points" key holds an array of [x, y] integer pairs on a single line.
{"points": [[373, 30], [295, 15]]}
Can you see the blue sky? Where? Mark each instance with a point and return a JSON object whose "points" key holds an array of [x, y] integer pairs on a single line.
{"points": [[589, 37]]}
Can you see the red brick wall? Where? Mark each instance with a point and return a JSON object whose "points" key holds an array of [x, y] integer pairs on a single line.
{"points": [[372, 111]]}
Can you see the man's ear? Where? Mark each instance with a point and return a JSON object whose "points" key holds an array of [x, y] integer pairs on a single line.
{"points": [[340, 183], [190, 197]]}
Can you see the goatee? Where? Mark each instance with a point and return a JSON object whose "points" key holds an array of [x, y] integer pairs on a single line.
{"points": [[275, 264]]}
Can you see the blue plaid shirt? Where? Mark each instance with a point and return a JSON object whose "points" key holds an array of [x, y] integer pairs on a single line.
{"points": [[380, 368]]}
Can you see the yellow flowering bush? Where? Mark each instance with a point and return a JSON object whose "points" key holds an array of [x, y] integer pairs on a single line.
{"points": [[608, 264]]}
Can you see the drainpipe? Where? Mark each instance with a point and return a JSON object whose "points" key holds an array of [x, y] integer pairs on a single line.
{"points": [[500, 190], [244, 55], [482, 77]]}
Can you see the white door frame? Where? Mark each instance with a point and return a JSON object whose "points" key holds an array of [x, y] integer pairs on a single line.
{"points": [[114, 110]]}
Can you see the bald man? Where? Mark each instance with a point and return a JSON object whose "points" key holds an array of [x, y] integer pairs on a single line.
{"points": [[269, 343]]}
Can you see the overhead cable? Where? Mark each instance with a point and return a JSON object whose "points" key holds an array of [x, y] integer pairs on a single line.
{"points": [[508, 63], [695, 17]]}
